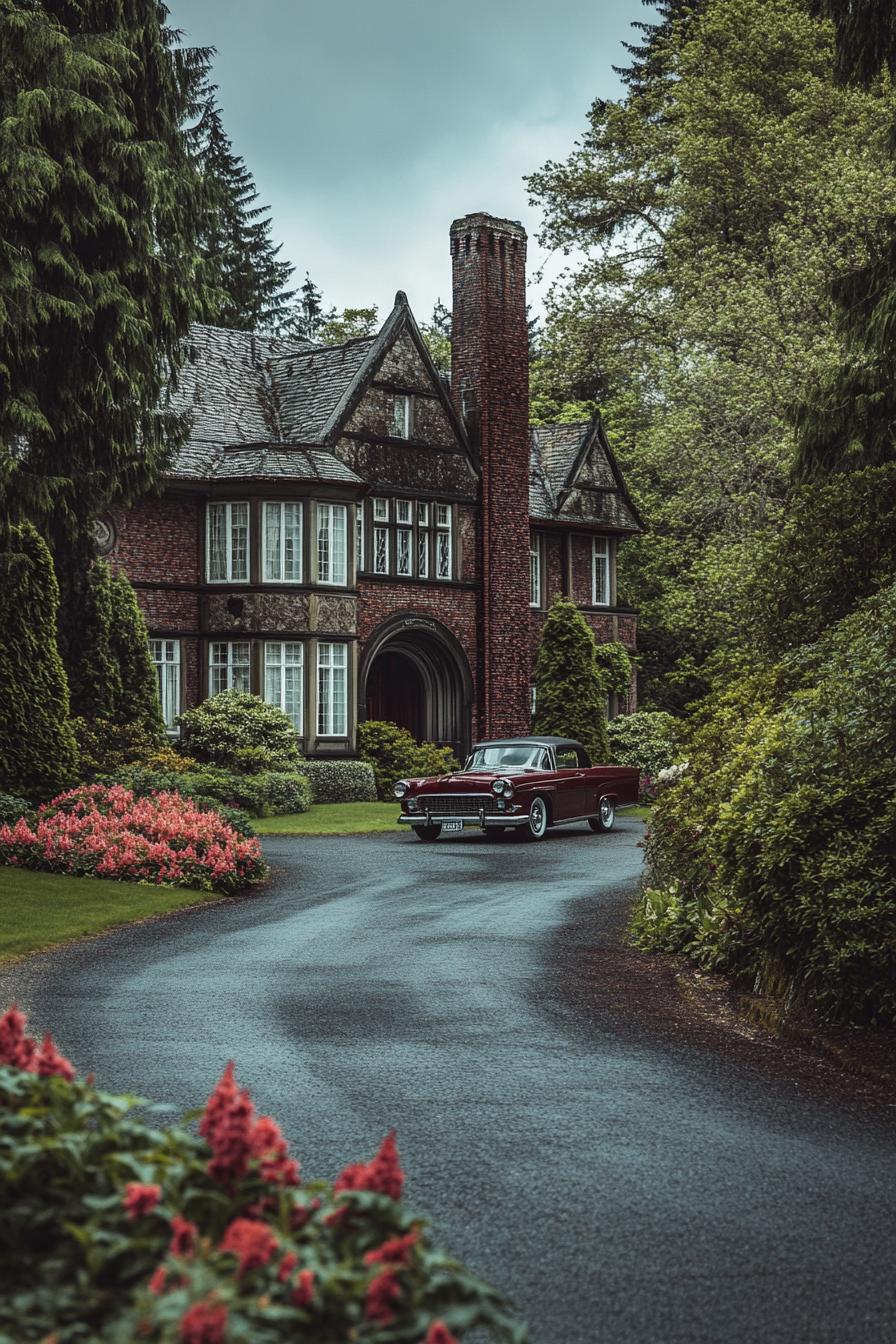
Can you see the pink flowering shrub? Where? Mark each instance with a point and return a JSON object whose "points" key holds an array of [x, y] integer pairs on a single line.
{"points": [[114, 1229], [105, 831]]}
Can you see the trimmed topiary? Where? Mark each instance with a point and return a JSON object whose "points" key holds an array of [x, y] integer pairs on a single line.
{"points": [[274, 793], [341, 781], [570, 689], [394, 754], [38, 754], [240, 732]]}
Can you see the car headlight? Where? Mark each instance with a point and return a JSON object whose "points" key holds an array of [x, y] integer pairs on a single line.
{"points": [[498, 786], [401, 788], [508, 789]]}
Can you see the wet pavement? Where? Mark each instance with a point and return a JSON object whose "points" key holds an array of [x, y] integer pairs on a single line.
{"points": [[616, 1174]]}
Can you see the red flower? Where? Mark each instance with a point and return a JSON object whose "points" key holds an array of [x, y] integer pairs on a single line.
{"points": [[300, 1214], [204, 1323], [158, 1281], [269, 1146], [383, 1294], [254, 1243], [438, 1333], [49, 1061], [383, 1175], [228, 1123], [396, 1251], [287, 1265], [183, 1237], [16, 1049], [139, 1200], [303, 1292]]}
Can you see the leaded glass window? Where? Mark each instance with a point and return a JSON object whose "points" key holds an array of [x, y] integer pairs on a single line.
{"points": [[331, 544], [229, 666], [227, 543], [282, 542], [284, 665], [332, 690]]}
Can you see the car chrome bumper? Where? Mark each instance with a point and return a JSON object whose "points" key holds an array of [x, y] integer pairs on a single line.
{"points": [[472, 819]]}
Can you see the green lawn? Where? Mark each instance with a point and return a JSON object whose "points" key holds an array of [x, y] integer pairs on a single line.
{"points": [[39, 910], [333, 819], [642, 813]]}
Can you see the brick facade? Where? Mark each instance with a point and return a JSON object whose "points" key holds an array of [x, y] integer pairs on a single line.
{"points": [[430, 496]]}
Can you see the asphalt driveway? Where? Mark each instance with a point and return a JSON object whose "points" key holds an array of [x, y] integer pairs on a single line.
{"points": [[621, 1180]]}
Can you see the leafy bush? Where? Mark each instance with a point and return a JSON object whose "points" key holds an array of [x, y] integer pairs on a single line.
{"points": [[38, 754], [394, 754], [115, 1228], [273, 794], [570, 689], [773, 852], [648, 740], [104, 746], [168, 760], [11, 808], [97, 831], [614, 667], [237, 731], [341, 781]]}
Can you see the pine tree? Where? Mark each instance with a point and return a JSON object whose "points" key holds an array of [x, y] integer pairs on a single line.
{"points": [[305, 319], [37, 748], [100, 275], [570, 691], [248, 279]]}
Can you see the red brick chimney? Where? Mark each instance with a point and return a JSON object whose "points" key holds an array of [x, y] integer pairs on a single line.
{"points": [[490, 386]]}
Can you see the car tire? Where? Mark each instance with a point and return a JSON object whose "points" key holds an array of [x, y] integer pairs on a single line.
{"points": [[537, 822], [605, 817], [428, 833]]}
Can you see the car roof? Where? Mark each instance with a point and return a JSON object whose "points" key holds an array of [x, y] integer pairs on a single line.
{"points": [[529, 742]]}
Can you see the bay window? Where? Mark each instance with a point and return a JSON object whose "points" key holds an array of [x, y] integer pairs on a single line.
{"points": [[165, 654], [229, 666], [331, 544], [282, 543], [332, 690], [284, 667], [600, 572], [227, 543]]}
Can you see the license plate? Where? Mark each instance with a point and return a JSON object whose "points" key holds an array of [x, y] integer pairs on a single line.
{"points": [[452, 825]]}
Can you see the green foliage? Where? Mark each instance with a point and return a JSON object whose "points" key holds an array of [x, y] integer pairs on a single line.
{"points": [[711, 210], [341, 781], [238, 731], [772, 856], [570, 687], [104, 746], [11, 808], [614, 667], [349, 325], [393, 754], [113, 681], [272, 793], [93, 1185], [38, 755], [648, 740]]}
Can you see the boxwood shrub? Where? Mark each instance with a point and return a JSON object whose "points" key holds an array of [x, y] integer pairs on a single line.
{"points": [[394, 754], [271, 794], [341, 781]]}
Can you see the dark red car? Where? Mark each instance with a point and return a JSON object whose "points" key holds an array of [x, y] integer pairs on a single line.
{"points": [[521, 784]]}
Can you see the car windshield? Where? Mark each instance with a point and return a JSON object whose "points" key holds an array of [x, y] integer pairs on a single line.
{"points": [[525, 757]]}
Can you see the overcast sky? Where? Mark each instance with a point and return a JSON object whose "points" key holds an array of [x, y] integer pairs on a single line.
{"points": [[370, 126]]}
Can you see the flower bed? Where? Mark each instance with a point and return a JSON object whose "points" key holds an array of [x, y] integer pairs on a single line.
{"points": [[114, 1229], [101, 831]]}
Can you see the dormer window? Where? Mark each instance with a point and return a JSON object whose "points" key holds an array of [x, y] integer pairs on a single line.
{"points": [[402, 416]]}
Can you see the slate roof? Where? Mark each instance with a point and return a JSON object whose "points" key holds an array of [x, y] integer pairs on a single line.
{"points": [[262, 394], [557, 454]]}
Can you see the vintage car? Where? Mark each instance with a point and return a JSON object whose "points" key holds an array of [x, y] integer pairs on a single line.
{"points": [[521, 785]]}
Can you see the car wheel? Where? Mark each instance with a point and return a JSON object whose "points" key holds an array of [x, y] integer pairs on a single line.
{"points": [[428, 832], [605, 817], [537, 823]]}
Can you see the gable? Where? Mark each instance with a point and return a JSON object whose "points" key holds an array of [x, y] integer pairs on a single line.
{"points": [[574, 476]]}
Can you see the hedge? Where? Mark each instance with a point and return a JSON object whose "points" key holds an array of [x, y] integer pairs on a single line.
{"points": [[341, 781]]}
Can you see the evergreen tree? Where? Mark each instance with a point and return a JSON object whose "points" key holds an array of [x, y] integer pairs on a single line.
{"points": [[305, 319], [99, 270], [37, 747], [130, 647], [243, 266], [437, 335], [570, 688], [349, 325]]}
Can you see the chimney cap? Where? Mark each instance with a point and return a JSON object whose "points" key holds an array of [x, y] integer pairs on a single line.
{"points": [[480, 219]]}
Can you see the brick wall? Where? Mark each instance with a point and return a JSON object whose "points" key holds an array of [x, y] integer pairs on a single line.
{"points": [[490, 385], [158, 540]]}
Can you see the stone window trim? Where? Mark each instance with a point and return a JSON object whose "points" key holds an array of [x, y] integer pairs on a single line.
{"points": [[406, 537], [166, 656], [536, 569], [601, 572]]}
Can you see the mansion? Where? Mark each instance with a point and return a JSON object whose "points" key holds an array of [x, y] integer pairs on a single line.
{"points": [[349, 536]]}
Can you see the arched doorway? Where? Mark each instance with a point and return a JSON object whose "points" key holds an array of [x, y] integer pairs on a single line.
{"points": [[415, 673]]}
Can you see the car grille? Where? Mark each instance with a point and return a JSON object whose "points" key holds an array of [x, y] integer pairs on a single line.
{"points": [[458, 804]]}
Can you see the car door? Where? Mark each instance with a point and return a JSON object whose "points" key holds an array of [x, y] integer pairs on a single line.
{"points": [[570, 785]]}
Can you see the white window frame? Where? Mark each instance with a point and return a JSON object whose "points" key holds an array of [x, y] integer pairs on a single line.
{"points": [[359, 536], [282, 505], [380, 510], [328, 725], [168, 675], [227, 506], [402, 416], [423, 547], [600, 550], [385, 533], [338, 562], [536, 548], [404, 512], [408, 534], [229, 665], [280, 664], [443, 529]]}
